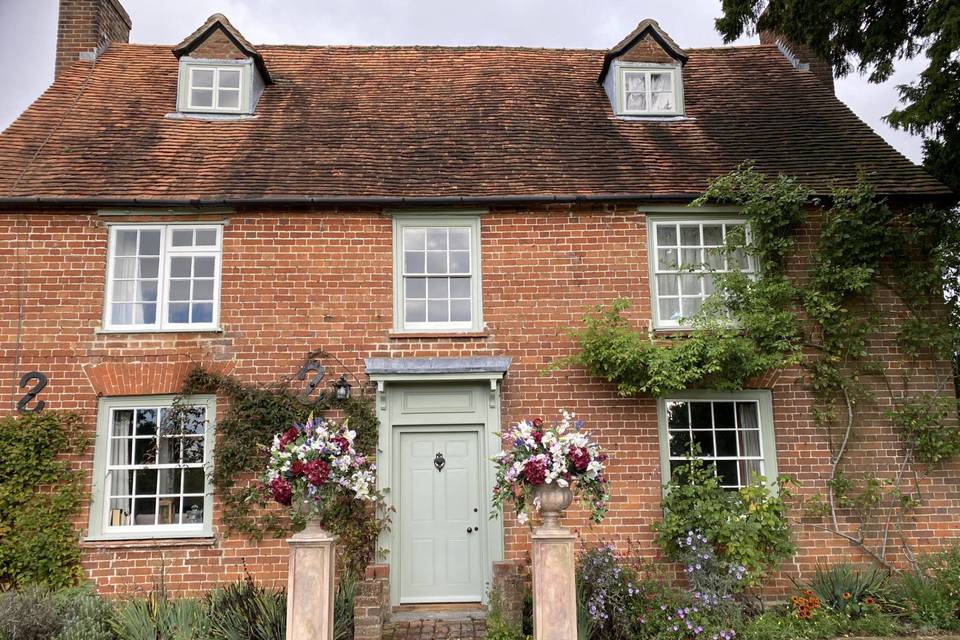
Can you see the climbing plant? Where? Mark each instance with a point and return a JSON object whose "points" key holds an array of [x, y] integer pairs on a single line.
{"points": [[40, 499], [829, 311], [253, 415]]}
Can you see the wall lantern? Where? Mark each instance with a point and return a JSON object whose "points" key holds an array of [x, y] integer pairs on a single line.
{"points": [[342, 388]]}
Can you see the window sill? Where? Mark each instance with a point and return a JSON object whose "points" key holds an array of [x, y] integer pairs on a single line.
{"points": [[203, 540], [400, 335], [101, 330]]}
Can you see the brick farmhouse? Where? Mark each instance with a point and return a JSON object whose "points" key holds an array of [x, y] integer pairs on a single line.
{"points": [[434, 218]]}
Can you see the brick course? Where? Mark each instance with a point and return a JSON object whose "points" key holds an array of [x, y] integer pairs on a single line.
{"points": [[88, 26], [296, 280]]}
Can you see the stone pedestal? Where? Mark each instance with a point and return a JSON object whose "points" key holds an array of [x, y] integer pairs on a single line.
{"points": [[554, 583], [310, 585]]}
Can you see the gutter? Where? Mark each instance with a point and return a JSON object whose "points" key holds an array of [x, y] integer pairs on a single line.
{"points": [[339, 200]]}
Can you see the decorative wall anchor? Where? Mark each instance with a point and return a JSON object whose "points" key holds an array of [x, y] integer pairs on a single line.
{"points": [[41, 382], [439, 462]]}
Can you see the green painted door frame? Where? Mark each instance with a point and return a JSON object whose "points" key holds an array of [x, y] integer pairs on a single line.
{"points": [[438, 404]]}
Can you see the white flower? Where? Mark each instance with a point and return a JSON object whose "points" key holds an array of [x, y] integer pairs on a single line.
{"points": [[523, 518]]}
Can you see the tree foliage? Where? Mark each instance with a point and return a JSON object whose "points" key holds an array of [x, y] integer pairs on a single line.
{"points": [[869, 36]]}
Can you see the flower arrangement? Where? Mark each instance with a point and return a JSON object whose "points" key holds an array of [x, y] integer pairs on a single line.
{"points": [[536, 454], [315, 464]]}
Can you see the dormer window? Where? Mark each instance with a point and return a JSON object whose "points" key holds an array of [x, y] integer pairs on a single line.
{"points": [[649, 91], [214, 88], [221, 74], [642, 75]]}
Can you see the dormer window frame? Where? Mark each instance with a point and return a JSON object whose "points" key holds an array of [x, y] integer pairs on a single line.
{"points": [[188, 66], [622, 68]]}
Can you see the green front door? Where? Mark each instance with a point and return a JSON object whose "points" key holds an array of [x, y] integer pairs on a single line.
{"points": [[440, 516]]}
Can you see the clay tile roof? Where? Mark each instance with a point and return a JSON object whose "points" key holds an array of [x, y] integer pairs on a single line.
{"points": [[219, 21], [355, 123]]}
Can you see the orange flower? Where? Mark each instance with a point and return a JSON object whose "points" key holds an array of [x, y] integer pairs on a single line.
{"points": [[814, 602], [796, 600], [869, 601], [807, 592], [847, 595]]}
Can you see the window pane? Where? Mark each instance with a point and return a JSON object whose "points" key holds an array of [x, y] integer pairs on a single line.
{"points": [[192, 450], [690, 235], [714, 258], [690, 258], [414, 239], [150, 243], [459, 262], [689, 284], [713, 235], [206, 237], [750, 443], [193, 480], [436, 262], [460, 239], [438, 311], [202, 77], [679, 443], [123, 422], [230, 78], [635, 81], [193, 510], [228, 99], [123, 290], [203, 289], [703, 443], [414, 262], [668, 285], [701, 416], [145, 482], [678, 415], [661, 82], [121, 314], [147, 313], [460, 310], [689, 307], [179, 312], [145, 511], [661, 102], [636, 102], [182, 238], [146, 422], [727, 472], [202, 312], [723, 415], [203, 266], [149, 267], [669, 308], [726, 443], [666, 235], [709, 285], [666, 259], [179, 290], [119, 513], [169, 512], [748, 468], [180, 267], [201, 97], [415, 287], [120, 449], [437, 288], [147, 291], [460, 288], [126, 243], [168, 451], [415, 311], [125, 268], [437, 238]]}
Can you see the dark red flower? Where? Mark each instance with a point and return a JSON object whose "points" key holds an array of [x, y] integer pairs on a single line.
{"points": [[537, 436], [297, 468], [288, 436], [317, 472], [341, 442], [281, 491], [537, 422], [580, 458], [535, 472]]}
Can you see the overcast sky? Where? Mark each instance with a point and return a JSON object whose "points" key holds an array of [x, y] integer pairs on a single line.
{"points": [[28, 34]]}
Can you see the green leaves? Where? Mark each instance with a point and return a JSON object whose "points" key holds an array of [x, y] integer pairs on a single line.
{"points": [[39, 499]]}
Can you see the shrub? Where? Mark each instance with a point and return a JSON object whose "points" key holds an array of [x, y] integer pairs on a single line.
{"points": [[343, 608], [86, 616], [927, 601], [245, 611], [847, 590], [156, 617], [748, 527], [605, 590], [30, 614]]}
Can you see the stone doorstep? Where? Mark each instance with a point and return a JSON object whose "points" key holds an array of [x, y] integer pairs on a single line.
{"points": [[438, 612]]}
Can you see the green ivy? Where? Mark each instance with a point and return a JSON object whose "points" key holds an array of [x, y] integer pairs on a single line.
{"points": [[40, 499], [253, 415], [823, 310]]}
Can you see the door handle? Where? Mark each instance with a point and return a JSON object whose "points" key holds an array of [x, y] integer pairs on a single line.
{"points": [[469, 529]]}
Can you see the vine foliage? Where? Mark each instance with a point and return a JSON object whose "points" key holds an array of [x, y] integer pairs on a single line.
{"points": [[832, 278], [40, 499], [254, 414]]}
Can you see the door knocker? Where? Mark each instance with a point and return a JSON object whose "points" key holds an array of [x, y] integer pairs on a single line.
{"points": [[439, 462]]}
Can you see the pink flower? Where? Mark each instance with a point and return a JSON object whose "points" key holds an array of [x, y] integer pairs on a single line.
{"points": [[341, 442], [580, 458], [317, 472], [281, 491]]}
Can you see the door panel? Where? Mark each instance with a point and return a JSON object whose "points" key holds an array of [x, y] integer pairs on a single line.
{"points": [[439, 560]]}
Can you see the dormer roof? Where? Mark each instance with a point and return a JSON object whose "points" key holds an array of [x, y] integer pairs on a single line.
{"points": [[648, 43], [217, 26]]}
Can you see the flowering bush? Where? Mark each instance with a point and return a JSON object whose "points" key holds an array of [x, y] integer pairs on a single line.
{"points": [[315, 463], [535, 454]]}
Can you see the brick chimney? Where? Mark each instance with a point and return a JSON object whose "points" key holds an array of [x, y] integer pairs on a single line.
{"points": [[86, 28], [800, 55]]}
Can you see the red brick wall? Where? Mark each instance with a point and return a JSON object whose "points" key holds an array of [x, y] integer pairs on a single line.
{"points": [[88, 26], [295, 281], [217, 46]]}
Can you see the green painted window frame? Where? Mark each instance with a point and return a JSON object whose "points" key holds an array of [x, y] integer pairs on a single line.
{"points": [[764, 399], [676, 71], [464, 220], [246, 85], [719, 216], [98, 529]]}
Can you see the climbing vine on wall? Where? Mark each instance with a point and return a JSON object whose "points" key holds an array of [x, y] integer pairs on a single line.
{"points": [[872, 265], [252, 415], [40, 499]]}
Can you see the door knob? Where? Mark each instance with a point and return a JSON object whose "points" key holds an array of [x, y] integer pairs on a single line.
{"points": [[469, 529]]}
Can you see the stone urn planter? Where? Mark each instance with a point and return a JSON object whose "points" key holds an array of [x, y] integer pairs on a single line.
{"points": [[551, 501], [314, 523]]}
